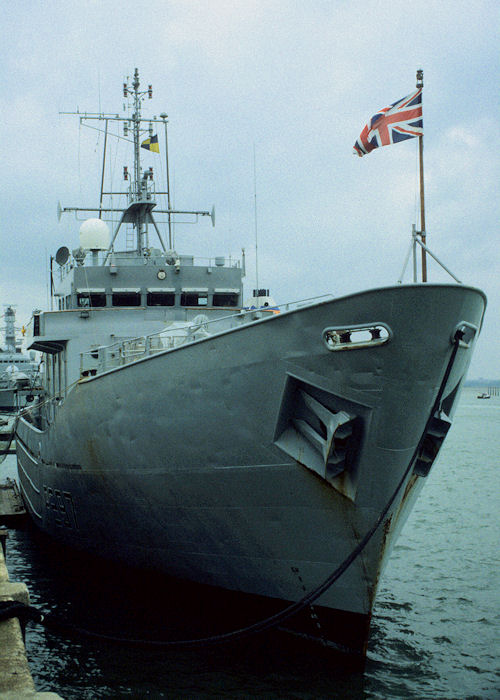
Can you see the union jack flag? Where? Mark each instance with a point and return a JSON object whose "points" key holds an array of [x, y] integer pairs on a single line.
{"points": [[401, 121]]}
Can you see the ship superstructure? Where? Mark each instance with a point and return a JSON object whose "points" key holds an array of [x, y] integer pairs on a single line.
{"points": [[19, 372]]}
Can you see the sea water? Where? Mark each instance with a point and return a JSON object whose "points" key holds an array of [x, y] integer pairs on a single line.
{"points": [[436, 623]]}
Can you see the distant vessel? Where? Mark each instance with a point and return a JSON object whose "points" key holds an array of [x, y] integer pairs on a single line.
{"points": [[484, 395], [18, 371], [187, 430]]}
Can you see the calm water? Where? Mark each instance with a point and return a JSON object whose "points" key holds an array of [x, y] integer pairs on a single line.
{"points": [[436, 626]]}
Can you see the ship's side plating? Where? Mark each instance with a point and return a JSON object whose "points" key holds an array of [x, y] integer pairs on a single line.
{"points": [[257, 459]]}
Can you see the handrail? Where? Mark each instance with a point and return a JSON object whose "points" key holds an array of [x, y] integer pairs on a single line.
{"points": [[124, 257], [304, 301], [122, 352]]}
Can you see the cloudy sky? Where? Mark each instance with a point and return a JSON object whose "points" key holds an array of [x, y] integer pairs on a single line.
{"points": [[291, 82]]}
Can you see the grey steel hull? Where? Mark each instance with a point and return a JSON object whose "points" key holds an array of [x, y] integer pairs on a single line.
{"points": [[188, 462]]}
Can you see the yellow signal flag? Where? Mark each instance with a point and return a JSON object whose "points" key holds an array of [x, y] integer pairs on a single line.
{"points": [[151, 144]]}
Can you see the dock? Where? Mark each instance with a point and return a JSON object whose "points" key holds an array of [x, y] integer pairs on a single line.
{"points": [[7, 423], [12, 511], [16, 682]]}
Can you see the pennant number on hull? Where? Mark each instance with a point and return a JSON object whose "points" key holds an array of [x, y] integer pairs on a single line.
{"points": [[59, 507]]}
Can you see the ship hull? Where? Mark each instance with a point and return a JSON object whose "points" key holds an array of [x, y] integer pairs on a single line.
{"points": [[195, 462]]}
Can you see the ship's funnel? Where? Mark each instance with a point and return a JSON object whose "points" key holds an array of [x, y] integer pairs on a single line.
{"points": [[94, 235]]}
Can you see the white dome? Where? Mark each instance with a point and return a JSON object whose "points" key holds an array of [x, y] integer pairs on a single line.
{"points": [[94, 235]]}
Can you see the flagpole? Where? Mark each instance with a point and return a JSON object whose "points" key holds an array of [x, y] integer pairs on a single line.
{"points": [[420, 84]]}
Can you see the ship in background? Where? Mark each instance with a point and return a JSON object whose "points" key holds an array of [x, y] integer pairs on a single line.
{"points": [[185, 429], [19, 372]]}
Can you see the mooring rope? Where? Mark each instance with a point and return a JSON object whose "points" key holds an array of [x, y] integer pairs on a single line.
{"points": [[51, 621]]}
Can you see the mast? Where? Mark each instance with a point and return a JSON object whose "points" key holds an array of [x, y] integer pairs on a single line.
{"points": [[103, 167], [255, 221], [136, 118], [10, 331], [139, 211], [420, 84], [136, 127]]}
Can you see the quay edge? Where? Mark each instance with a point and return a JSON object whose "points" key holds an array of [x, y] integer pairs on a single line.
{"points": [[16, 682]]}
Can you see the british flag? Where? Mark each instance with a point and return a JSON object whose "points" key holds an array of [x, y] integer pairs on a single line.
{"points": [[398, 122]]}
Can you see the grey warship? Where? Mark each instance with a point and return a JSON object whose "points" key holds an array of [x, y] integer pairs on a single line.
{"points": [[253, 448], [19, 372]]}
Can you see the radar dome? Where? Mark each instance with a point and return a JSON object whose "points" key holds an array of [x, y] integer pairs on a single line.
{"points": [[94, 235]]}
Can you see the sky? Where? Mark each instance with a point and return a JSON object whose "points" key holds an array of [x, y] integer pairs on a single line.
{"points": [[265, 100]]}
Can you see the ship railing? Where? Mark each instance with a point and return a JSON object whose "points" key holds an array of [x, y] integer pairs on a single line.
{"points": [[291, 305], [128, 258], [106, 357]]}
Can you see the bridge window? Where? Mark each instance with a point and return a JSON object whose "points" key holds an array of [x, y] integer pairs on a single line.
{"points": [[161, 299], [126, 299], [86, 300], [194, 299], [225, 299]]}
